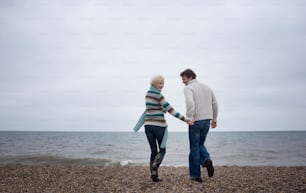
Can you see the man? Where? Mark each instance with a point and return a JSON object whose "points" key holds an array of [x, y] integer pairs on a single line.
{"points": [[202, 107]]}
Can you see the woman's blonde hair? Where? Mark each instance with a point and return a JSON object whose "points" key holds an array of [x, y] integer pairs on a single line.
{"points": [[156, 80]]}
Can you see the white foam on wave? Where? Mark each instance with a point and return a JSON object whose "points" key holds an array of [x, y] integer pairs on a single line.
{"points": [[126, 162]]}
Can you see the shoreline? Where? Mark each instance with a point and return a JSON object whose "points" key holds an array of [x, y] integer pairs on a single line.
{"points": [[131, 178]]}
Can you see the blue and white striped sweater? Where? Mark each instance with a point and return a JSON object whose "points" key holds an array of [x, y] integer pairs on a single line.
{"points": [[156, 106]]}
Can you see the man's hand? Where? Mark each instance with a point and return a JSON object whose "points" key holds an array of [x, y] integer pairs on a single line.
{"points": [[190, 122], [213, 124]]}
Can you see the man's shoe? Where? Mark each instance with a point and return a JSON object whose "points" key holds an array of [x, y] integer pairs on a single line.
{"points": [[210, 167], [198, 179]]}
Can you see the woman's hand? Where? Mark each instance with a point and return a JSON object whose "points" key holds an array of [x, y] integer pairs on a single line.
{"points": [[190, 121]]}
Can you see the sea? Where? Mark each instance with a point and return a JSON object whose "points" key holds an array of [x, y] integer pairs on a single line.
{"points": [[286, 148]]}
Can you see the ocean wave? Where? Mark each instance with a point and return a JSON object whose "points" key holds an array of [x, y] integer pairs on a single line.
{"points": [[53, 160], [127, 162]]}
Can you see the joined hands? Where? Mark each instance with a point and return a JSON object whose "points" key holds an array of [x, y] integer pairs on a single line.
{"points": [[190, 121]]}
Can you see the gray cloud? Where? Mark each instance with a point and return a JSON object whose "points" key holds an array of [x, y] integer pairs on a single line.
{"points": [[85, 65]]}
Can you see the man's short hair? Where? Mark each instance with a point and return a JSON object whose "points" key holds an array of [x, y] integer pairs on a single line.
{"points": [[188, 73]]}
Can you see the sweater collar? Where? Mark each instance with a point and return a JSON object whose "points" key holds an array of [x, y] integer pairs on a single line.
{"points": [[152, 88], [192, 81]]}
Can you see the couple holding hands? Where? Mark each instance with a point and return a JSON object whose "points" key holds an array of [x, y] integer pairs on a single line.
{"points": [[202, 112]]}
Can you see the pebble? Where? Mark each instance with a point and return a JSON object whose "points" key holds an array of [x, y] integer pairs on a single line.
{"points": [[133, 179]]}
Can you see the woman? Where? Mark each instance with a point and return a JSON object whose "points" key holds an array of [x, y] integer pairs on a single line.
{"points": [[155, 123]]}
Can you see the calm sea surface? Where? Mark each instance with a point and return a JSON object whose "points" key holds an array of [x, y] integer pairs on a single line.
{"points": [[110, 148]]}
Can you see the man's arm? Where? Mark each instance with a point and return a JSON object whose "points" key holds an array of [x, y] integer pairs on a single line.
{"points": [[215, 111], [190, 106]]}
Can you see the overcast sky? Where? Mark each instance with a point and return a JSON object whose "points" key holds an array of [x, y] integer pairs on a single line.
{"points": [[86, 65]]}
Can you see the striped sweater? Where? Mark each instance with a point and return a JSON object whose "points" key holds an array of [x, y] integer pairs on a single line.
{"points": [[156, 106]]}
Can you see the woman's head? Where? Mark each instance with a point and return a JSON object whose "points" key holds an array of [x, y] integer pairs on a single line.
{"points": [[158, 82]]}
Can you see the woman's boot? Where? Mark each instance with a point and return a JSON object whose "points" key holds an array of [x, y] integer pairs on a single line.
{"points": [[157, 161], [154, 173]]}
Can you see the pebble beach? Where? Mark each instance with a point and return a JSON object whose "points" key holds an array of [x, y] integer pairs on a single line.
{"points": [[76, 178]]}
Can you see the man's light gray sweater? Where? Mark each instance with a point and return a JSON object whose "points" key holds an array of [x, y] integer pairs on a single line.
{"points": [[201, 102]]}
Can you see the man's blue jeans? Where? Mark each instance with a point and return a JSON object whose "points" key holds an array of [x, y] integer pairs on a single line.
{"points": [[198, 152]]}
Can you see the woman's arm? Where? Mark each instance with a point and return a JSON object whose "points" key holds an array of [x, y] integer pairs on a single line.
{"points": [[168, 108]]}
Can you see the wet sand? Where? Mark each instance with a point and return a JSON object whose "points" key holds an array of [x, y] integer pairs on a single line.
{"points": [[63, 178]]}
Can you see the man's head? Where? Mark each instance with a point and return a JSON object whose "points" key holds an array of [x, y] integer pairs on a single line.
{"points": [[188, 75]]}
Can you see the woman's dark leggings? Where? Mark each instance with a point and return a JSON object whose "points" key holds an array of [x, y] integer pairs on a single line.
{"points": [[155, 135]]}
